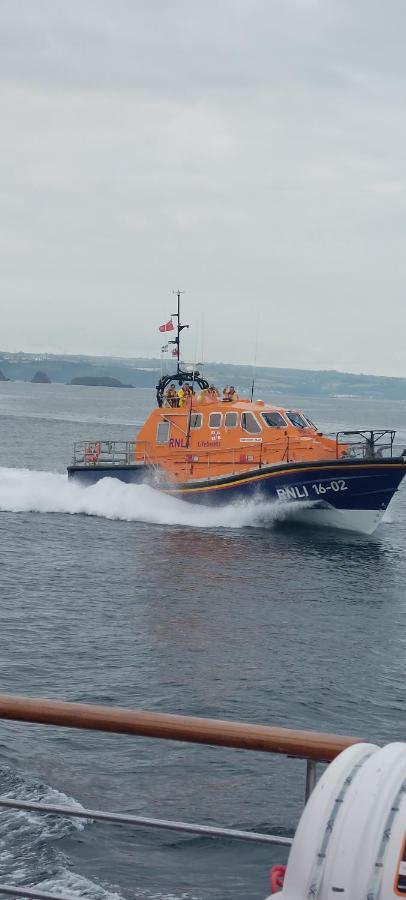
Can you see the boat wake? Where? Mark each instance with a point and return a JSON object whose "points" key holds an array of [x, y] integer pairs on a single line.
{"points": [[25, 490], [30, 846], [29, 853]]}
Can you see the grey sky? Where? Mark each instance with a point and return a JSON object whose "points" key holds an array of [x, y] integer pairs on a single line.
{"points": [[253, 153]]}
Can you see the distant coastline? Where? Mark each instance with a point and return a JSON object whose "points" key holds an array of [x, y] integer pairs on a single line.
{"points": [[144, 373]]}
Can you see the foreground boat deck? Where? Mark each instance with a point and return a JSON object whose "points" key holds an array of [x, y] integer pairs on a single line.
{"points": [[312, 747]]}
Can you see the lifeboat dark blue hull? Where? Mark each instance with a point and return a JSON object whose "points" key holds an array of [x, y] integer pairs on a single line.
{"points": [[345, 493], [133, 473]]}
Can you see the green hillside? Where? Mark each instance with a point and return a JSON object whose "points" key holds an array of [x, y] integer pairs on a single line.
{"points": [[139, 372]]}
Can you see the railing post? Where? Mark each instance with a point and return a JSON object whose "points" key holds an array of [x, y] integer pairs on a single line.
{"points": [[310, 778]]}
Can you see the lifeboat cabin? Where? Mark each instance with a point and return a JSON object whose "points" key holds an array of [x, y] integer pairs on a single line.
{"points": [[197, 432]]}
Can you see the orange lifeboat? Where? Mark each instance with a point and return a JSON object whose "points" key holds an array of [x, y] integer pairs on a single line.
{"points": [[204, 445]]}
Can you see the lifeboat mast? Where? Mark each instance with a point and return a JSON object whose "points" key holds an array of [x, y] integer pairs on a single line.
{"points": [[180, 328], [181, 375]]}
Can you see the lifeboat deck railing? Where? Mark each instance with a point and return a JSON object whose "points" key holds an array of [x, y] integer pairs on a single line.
{"points": [[252, 454], [367, 443], [312, 747], [110, 453]]}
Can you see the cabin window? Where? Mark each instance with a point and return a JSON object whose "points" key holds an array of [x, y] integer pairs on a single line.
{"points": [[296, 419], [215, 420], [231, 420], [162, 434], [196, 420], [274, 419], [250, 423]]}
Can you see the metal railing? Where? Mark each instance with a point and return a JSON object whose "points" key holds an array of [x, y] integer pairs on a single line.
{"points": [[111, 453], [311, 746], [196, 463], [95, 452], [367, 443], [204, 463]]}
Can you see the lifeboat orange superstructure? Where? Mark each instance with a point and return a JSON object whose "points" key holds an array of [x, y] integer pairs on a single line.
{"points": [[209, 437]]}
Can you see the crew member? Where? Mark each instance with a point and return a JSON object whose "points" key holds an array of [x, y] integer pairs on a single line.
{"points": [[212, 393], [188, 393], [171, 398], [181, 396]]}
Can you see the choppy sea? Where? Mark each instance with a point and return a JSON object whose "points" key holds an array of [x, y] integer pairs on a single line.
{"points": [[116, 594]]}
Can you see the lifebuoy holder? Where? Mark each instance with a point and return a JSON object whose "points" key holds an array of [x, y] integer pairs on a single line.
{"points": [[92, 453]]}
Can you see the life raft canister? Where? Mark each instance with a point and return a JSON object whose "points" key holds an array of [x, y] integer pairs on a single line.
{"points": [[351, 838]]}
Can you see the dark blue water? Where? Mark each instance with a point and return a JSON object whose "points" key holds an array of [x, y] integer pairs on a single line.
{"points": [[118, 595]]}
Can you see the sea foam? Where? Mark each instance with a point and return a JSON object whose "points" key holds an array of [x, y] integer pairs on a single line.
{"points": [[25, 490]]}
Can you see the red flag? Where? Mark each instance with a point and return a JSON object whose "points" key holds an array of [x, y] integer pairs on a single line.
{"points": [[167, 327]]}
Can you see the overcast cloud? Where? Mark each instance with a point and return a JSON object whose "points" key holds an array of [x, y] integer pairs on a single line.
{"points": [[252, 153]]}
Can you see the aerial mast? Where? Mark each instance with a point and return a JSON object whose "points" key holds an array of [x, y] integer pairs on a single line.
{"points": [[182, 376], [180, 328]]}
